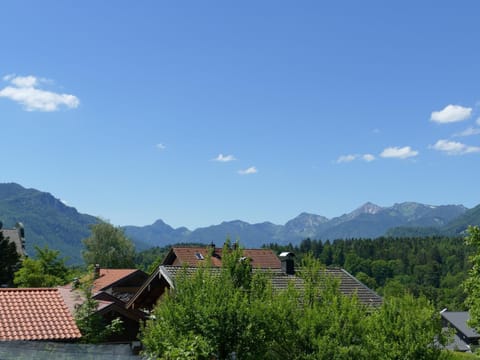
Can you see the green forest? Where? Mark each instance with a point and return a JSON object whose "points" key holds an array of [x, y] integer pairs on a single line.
{"points": [[434, 267]]}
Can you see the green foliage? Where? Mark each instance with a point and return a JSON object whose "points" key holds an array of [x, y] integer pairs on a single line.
{"points": [[472, 283], [407, 328], [46, 270], [93, 327], [9, 260], [109, 247], [226, 311], [433, 266], [463, 356], [216, 313], [148, 260], [332, 326]]}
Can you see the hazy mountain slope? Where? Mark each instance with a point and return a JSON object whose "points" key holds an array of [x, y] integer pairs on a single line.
{"points": [[460, 224], [456, 226], [47, 220], [367, 221], [157, 234], [50, 222]]}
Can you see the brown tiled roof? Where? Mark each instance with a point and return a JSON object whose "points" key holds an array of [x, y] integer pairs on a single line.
{"points": [[194, 256], [35, 314], [110, 276]]}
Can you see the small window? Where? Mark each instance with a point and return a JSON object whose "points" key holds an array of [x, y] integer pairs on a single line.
{"points": [[199, 256]]}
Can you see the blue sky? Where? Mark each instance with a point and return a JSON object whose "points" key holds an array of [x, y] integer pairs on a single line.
{"points": [[196, 112]]}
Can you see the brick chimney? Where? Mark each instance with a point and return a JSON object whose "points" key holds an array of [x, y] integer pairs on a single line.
{"points": [[288, 265]]}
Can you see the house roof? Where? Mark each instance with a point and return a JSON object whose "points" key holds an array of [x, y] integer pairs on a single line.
{"points": [[108, 277], [194, 256], [459, 319], [35, 314], [348, 284]]}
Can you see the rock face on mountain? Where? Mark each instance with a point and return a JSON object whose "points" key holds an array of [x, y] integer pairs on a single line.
{"points": [[48, 221]]}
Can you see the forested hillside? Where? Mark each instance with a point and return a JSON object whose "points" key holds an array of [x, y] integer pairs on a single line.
{"points": [[430, 266], [47, 220]]}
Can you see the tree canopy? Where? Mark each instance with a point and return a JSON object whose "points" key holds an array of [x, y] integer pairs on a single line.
{"points": [[434, 267], [472, 283], [109, 247], [45, 271], [233, 313], [9, 260]]}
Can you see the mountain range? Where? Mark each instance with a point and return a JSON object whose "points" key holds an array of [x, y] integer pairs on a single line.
{"points": [[368, 221], [48, 221]]}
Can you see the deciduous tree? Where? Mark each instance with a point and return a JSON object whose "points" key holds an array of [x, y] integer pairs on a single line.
{"points": [[472, 283], [45, 271], [109, 247]]}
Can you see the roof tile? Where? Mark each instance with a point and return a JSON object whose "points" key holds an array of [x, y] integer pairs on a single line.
{"points": [[35, 314], [260, 258], [109, 276]]}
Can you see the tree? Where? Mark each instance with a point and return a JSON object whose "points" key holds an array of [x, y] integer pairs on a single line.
{"points": [[225, 314], [109, 247], [93, 327], [45, 271], [9, 260], [216, 313], [407, 328], [472, 283]]}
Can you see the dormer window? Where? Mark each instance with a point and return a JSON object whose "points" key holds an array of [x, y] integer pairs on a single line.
{"points": [[199, 256]]}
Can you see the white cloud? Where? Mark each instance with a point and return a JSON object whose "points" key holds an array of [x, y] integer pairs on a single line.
{"points": [[368, 157], [161, 146], [451, 113], [398, 152], [25, 90], [351, 157], [224, 158], [346, 158], [454, 147], [249, 171], [478, 121], [24, 81], [468, 132]]}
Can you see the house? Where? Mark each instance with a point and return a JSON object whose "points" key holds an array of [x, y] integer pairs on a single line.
{"points": [[17, 236], [281, 272], [111, 288], [35, 314], [194, 256], [465, 337]]}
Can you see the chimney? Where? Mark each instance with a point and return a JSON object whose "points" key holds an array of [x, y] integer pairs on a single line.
{"points": [[288, 265], [96, 271], [211, 249]]}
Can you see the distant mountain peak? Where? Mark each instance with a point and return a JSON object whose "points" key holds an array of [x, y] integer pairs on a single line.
{"points": [[367, 208]]}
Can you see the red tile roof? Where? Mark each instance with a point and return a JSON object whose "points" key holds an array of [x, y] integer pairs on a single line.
{"points": [[192, 256], [110, 276], [35, 314]]}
